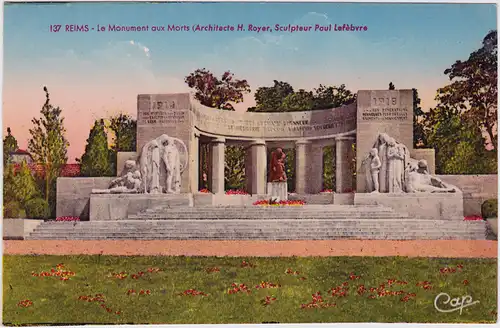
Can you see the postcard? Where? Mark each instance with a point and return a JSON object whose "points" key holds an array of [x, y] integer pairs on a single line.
{"points": [[249, 163]]}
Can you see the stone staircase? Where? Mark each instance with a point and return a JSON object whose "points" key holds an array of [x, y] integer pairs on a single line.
{"points": [[308, 222]]}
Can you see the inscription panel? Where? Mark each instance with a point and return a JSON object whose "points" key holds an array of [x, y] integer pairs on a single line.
{"points": [[275, 125]]}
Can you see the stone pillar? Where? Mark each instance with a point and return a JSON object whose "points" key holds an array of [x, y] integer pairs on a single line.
{"points": [[194, 163], [301, 167], [315, 155], [217, 162], [343, 165], [258, 164], [248, 169]]}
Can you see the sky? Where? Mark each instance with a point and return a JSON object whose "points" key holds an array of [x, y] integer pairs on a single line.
{"points": [[97, 74]]}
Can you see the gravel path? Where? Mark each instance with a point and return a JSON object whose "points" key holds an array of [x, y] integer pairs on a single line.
{"points": [[411, 248]]}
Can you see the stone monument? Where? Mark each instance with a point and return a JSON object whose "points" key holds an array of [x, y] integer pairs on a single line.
{"points": [[277, 186], [160, 159]]}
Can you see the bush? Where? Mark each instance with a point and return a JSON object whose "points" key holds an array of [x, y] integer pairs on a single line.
{"points": [[37, 208], [489, 209], [12, 210]]}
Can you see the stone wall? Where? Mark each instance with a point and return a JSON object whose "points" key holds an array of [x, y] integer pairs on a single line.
{"points": [[73, 195], [476, 189]]}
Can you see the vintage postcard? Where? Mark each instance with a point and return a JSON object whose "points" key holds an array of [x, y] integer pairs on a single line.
{"points": [[249, 163]]}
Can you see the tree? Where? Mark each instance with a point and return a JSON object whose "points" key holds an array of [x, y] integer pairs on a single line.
{"points": [[298, 101], [9, 146], [25, 186], [234, 168], [215, 93], [391, 86], [270, 99], [473, 88], [97, 159], [458, 143], [124, 129], [48, 145], [332, 96]]}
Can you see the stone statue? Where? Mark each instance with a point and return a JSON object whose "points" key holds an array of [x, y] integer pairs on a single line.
{"points": [[381, 145], [419, 180], [396, 165], [375, 164], [171, 158], [128, 183], [154, 187], [277, 166]]}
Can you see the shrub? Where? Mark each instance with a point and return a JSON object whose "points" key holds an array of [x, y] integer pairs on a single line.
{"points": [[489, 209], [12, 210], [37, 208]]}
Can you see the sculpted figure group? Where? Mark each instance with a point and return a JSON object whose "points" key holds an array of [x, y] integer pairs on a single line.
{"points": [[390, 169], [277, 166], [160, 159]]}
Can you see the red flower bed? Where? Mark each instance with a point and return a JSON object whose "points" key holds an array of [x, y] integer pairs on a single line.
{"points": [[473, 218], [25, 303], [141, 292], [241, 288], [68, 218], [99, 298], [266, 284], [57, 272], [268, 300], [210, 270], [205, 191], [266, 202], [245, 264], [192, 292], [236, 192], [317, 302], [327, 190]]}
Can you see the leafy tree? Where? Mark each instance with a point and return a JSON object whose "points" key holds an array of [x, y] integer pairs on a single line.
{"points": [[25, 186], [48, 145], [9, 145], [9, 185], [332, 97], [215, 93], [124, 129], [96, 161], [281, 97], [473, 88], [270, 99], [298, 101], [391, 86], [329, 168], [234, 167], [458, 143]]}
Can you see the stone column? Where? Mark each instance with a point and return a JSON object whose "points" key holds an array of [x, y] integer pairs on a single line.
{"points": [[315, 155], [248, 169], [301, 167], [343, 165], [194, 163], [218, 162], [258, 160]]}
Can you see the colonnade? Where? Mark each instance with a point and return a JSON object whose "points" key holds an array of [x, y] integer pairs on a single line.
{"points": [[308, 165]]}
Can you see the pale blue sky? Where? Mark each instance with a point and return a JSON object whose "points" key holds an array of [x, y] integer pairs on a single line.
{"points": [[94, 74]]}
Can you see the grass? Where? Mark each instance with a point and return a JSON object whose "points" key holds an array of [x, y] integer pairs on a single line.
{"points": [[56, 301]]}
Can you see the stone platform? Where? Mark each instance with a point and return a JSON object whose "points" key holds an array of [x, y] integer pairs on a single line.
{"points": [[308, 222], [106, 207], [423, 206], [258, 229]]}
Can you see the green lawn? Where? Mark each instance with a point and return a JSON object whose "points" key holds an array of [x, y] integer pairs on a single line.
{"points": [[56, 301]]}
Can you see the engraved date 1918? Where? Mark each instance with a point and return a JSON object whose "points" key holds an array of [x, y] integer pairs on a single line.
{"points": [[384, 101]]}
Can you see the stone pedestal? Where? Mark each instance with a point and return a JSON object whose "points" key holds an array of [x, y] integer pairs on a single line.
{"points": [[424, 206], [110, 207], [277, 189]]}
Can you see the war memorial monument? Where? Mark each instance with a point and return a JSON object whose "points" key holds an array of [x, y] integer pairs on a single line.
{"points": [[391, 194]]}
